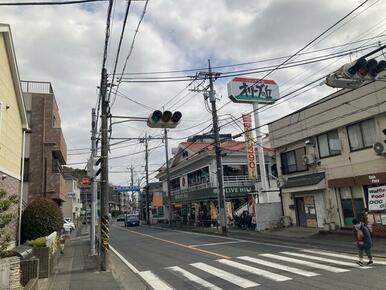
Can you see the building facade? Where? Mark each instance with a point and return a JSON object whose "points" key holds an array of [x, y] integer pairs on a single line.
{"points": [[194, 184], [72, 205], [46, 147], [327, 166], [13, 125]]}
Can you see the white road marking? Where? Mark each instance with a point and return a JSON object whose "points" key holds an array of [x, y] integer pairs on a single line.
{"points": [[256, 271], [279, 266], [342, 263], [194, 278], [239, 281], [342, 256], [154, 281], [306, 263], [219, 243], [149, 277]]}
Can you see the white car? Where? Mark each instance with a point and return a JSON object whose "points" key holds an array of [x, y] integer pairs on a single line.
{"points": [[68, 222], [67, 227]]}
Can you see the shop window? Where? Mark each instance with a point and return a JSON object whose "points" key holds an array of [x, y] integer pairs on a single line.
{"points": [[352, 203], [292, 161], [199, 176], [329, 144], [235, 170], [362, 135]]}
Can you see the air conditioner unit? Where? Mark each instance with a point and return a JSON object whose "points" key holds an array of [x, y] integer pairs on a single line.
{"points": [[379, 148], [310, 160]]}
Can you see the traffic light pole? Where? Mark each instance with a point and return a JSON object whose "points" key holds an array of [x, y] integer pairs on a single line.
{"points": [[147, 181], [104, 243], [220, 179], [168, 178], [93, 180]]}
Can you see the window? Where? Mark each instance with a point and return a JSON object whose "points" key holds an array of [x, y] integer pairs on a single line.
{"points": [[362, 135], [329, 144], [292, 161], [199, 176], [235, 170]]}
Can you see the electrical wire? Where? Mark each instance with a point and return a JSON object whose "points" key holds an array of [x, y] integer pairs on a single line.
{"points": [[46, 3]]}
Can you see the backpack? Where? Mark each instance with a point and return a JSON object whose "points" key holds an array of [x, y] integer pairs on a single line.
{"points": [[360, 235]]}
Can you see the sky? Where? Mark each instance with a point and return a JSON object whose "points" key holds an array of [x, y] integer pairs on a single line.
{"points": [[64, 45]]}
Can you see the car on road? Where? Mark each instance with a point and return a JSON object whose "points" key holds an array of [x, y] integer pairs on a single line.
{"points": [[67, 227], [121, 218], [69, 221], [132, 220]]}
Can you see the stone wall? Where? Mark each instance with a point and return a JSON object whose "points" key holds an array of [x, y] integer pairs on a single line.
{"points": [[11, 267]]}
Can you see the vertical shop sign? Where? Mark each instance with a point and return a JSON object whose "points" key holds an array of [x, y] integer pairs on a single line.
{"points": [[250, 146], [377, 198]]}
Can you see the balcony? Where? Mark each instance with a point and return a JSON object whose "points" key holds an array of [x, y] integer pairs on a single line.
{"points": [[60, 146], [36, 87], [56, 186], [243, 180]]}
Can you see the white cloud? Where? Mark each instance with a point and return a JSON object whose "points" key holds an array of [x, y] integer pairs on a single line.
{"points": [[64, 45]]}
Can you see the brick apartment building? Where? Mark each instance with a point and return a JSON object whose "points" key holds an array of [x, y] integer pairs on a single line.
{"points": [[46, 149]]}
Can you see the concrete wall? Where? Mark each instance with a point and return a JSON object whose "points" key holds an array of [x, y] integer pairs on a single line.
{"points": [[268, 215]]}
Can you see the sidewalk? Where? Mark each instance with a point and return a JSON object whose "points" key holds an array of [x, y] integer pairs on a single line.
{"points": [[77, 270]]}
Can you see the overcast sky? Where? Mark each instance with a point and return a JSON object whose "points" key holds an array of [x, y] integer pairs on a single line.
{"points": [[64, 45]]}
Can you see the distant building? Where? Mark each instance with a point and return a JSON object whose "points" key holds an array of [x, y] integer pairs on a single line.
{"points": [[13, 125], [194, 184], [325, 158], [72, 205], [46, 149]]}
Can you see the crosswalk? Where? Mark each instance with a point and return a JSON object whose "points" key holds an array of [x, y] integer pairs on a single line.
{"points": [[278, 267]]}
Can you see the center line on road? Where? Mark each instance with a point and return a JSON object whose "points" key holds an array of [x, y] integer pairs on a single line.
{"points": [[181, 245], [219, 243]]}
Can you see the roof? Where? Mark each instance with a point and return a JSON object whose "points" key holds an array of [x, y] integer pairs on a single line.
{"points": [[197, 147], [304, 180], [6, 30]]}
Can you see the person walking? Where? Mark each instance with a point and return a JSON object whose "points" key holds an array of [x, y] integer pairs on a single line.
{"points": [[363, 240]]}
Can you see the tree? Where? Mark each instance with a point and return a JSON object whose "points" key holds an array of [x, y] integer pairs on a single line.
{"points": [[6, 217]]}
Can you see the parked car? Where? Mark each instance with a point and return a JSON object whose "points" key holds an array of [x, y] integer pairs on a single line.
{"points": [[67, 227], [69, 221], [121, 218], [132, 220]]}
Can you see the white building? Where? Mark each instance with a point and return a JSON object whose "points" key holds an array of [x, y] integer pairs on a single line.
{"points": [[72, 206], [326, 161]]}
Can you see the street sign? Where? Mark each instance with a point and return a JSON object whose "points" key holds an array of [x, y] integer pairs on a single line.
{"points": [[85, 180], [250, 146], [247, 90], [126, 188]]}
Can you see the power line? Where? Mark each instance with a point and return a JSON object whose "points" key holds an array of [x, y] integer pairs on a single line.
{"points": [[45, 3]]}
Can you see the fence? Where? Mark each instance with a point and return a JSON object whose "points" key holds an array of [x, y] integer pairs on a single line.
{"points": [[29, 270]]}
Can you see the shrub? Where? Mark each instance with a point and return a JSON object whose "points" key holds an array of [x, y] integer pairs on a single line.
{"points": [[39, 242], [40, 218], [6, 217]]}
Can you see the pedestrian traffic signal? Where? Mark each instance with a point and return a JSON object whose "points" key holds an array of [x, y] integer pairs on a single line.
{"points": [[352, 75], [167, 119]]}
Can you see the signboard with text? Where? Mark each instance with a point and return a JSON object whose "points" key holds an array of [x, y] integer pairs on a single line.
{"points": [[126, 188], [248, 90], [250, 146], [377, 198]]}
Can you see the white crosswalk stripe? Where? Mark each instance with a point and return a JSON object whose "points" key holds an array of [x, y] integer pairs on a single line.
{"points": [[342, 263], [239, 281], [194, 278], [154, 281], [341, 256], [279, 266], [256, 271], [305, 263]]}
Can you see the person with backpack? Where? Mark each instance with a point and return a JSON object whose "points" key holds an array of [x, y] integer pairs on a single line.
{"points": [[363, 240]]}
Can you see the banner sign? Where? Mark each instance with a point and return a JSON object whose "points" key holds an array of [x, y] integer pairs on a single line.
{"points": [[247, 90], [184, 182], [250, 146], [126, 188], [377, 198]]}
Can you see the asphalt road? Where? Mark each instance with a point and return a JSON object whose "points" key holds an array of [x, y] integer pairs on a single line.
{"points": [[169, 259]]}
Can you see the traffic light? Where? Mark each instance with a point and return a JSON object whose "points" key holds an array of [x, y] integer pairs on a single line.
{"points": [[379, 147], [352, 75], [167, 119]]}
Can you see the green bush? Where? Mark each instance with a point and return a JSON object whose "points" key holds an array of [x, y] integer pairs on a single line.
{"points": [[40, 218], [7, 214], [39, 242]]}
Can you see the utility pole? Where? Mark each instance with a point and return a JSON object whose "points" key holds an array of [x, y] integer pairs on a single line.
{"points": [[104, 173], [147, 181], [132, 184], [168, 178], [220, 180], [93, 180]]}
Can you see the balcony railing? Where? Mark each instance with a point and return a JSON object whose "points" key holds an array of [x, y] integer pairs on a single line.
{"points": [[242, 180], [36, 87]]}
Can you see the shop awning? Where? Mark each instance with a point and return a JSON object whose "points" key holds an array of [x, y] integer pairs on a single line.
{"points": [[309, 182], [360, 180]]}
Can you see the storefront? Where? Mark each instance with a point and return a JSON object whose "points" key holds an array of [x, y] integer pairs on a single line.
{"points": [[305, 199], [363, 197]]}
